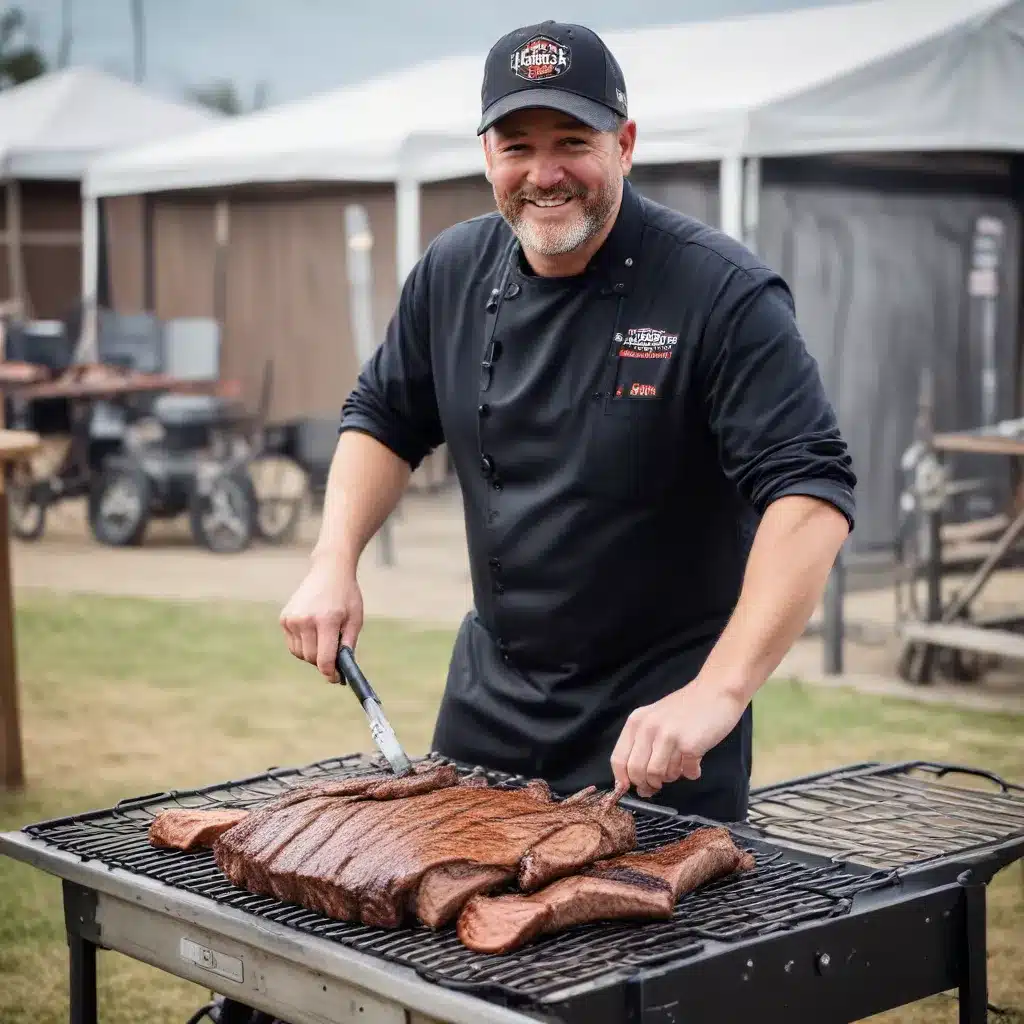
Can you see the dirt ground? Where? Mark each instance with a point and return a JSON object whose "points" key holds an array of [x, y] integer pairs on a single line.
{"points": [[429, 583]]}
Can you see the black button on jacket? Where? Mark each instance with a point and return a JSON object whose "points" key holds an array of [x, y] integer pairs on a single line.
{"points": [[616, 437]]}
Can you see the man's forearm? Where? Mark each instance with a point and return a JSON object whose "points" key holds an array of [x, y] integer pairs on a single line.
{"points": [[364, 484], [793, 552]]}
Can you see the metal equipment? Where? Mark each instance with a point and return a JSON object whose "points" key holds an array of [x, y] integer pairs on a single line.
{"points": [[943, 633], [869, 893]]}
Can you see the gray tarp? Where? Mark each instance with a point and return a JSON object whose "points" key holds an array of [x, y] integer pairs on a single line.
{"points": [[960, 90]]}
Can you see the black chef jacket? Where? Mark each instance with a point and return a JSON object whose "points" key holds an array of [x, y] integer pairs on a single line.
{"points": [[616, 436]]}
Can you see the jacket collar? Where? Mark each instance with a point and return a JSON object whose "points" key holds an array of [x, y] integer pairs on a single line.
{"points": [[617, 260], [619, 257]]}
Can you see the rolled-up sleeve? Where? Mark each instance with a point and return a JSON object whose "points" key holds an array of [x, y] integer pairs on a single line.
{"points": [[773, 424], [394, 399]]}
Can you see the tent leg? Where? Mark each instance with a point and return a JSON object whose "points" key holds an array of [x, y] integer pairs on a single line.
{"points": [[15, 255], [730, 195], [751, 201], [86, 345], [407, 226]]}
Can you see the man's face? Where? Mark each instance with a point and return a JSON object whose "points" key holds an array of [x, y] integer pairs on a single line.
{"points": [[555, 180]]}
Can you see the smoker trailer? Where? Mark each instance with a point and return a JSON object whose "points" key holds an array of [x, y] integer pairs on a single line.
{"points": [[869, 893]]}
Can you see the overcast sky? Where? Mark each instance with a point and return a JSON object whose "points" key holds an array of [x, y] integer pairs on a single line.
{"points": [[299, 47]]}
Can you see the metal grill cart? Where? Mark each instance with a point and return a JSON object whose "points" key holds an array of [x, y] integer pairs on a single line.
{"points": [[869, 893]]}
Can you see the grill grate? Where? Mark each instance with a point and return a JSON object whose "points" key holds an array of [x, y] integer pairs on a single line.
{"points": [[891, 816], [779, 894]]}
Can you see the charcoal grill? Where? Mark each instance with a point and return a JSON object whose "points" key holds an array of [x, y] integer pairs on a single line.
{"points": [[869, 893]]}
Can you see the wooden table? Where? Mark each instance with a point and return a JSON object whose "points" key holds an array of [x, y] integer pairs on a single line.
{"points": [[13, 372], [100, 382], [14, 445]]}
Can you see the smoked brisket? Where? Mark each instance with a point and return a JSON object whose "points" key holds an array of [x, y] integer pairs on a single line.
{"points": [[379, 849], [440, 848], [635, 886]]}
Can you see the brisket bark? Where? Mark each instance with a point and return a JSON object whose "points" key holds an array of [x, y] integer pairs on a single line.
{"points": [[635, 886], [375, 850]]}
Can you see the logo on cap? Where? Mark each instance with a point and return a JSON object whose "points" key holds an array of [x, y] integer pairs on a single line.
{"points": [[541, 59]]}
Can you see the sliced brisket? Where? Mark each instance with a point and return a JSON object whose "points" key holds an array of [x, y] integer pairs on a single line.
{"points": [[191, 829], [375, 854], [635, 886]]}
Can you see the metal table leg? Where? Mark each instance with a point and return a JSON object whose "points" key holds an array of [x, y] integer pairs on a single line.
{"points": [[974, 979], [83, 980], [83, 941]]}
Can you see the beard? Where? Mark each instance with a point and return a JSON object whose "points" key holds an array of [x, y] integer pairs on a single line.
{"points": [[556, 238]]}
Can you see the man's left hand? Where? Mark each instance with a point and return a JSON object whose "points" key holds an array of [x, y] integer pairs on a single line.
{"points": [[665, 741]]}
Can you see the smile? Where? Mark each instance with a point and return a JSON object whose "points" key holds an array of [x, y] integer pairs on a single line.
{"points": [[546, 204]]}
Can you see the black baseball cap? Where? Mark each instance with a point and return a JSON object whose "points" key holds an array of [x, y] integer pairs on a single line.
{"points": [[561, 67]]}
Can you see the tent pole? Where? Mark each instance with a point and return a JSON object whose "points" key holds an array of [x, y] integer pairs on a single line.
{"points": [[86, 348], [15, 256], [407, 225], [730, 192], [751, 201]]}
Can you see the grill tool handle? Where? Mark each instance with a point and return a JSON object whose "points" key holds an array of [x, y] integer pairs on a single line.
{"points": [[352, 674]]}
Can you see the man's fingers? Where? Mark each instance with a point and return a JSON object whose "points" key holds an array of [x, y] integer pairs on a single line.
{"points": [[623, 748], [658, 766], [306, 628], [294, 642], [328, 629], [353, 626], [675, 766], [691, 768], [640, 756]]}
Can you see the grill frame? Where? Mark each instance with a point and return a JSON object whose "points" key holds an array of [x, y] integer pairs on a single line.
{"points": [[804, 887], [929, 920]]}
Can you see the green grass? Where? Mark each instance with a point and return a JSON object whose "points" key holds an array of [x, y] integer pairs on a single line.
{"points": [[122, 697]]}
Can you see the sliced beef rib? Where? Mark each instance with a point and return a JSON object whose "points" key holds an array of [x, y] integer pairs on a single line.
{"points": [[635, 886]]}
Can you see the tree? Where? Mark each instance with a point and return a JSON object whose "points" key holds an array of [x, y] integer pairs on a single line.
{"points": [[223, 95], [20, 58]]}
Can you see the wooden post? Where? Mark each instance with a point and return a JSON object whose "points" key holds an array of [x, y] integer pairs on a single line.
{"points": [[14, 445], [13, 766]]}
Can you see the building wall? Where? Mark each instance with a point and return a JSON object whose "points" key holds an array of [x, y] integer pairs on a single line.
{"points": [[444, 203], [287, 300], [690, 189], [124, 218], [51, 227]]}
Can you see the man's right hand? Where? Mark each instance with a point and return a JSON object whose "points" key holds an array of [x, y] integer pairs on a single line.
{"points": [[327, 605]]}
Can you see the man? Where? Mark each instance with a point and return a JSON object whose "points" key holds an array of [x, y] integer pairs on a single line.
{"points": [[654, 484]]}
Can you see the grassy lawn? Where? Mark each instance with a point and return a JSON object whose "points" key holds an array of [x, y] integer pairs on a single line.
{"points": [[124, 697]]}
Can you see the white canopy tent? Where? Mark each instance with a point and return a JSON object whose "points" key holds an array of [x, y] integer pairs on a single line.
{"points": [[53, 126], [875, 75]]}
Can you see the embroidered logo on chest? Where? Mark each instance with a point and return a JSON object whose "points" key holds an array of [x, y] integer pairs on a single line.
{"points": [[647, 343]]}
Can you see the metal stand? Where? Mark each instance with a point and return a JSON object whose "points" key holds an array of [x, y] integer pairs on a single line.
{"points": [[974, 978], [83, 941], [83, 980]]}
